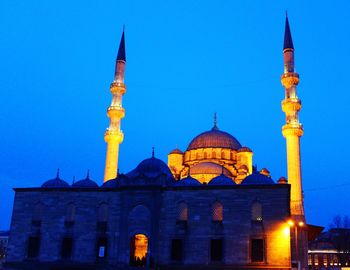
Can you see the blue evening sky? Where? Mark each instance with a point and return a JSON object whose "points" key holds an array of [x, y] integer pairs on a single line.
{"points": [[185, 61]]}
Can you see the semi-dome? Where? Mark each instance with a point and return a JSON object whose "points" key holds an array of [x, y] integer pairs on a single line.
{"points": [[176, 151], [214, 138], [221, 180], [257, 178], [209, 168], [188, 181], [151, 167], [85, 183], [244, 149], [55, 183]]}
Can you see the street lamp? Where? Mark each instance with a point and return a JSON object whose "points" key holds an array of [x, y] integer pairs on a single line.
{"points": [[296, 225]]}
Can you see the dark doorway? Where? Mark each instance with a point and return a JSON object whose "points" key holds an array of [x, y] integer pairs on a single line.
{"points": [[176, 250], [67, 248], [216, 250], [257, 250], [33, 246]]}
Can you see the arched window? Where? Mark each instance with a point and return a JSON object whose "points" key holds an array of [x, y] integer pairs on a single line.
{"points": [[70, 216], [217, 212], [213, 155], [102, 218], [205, 155], [38, 212], [257, 212], [103, 212], [182, 214]]}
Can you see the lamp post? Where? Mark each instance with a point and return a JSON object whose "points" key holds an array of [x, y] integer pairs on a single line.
{"points": [[296, 225]]}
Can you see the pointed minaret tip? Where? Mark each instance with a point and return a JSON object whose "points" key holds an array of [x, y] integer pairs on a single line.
{"points": [[121, 52], [288, 41]]}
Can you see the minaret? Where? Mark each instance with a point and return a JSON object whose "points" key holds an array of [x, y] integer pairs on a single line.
{"points": [[115, 112], [292, 131]]}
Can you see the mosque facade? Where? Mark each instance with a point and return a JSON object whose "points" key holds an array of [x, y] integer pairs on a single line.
{"points": [[208, 207]]}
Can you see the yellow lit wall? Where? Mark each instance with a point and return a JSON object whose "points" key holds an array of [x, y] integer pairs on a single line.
{"points": [[278, 244]]}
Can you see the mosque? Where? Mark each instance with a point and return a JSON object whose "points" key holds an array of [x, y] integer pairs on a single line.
{"points": [[208, 207]]}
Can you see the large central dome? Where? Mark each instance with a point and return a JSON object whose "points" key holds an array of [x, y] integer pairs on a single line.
{"points": [[214, 138]]}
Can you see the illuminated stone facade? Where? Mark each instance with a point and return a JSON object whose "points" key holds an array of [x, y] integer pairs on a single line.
{"points": [[185, 225]]}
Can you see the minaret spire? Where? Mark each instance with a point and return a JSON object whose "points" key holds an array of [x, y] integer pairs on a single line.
{"points": [[288, 41], [115, 112]]}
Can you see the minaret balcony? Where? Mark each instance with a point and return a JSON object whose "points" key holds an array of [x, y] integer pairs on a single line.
{"points": [[290, 105], [289, 79], [114, 136], [115, 112], [118, 88], [292, 129]]}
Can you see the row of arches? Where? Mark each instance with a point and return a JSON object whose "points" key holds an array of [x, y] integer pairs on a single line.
{"points": [[217, 211], [71, 209], [213, 154]]}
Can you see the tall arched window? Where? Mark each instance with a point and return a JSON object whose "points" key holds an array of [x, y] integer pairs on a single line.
{"points": [[257, 212], [213, 155], [102, 218], [70, 215], [217, 212], [38, 212], [103, 212], [182, 214]]}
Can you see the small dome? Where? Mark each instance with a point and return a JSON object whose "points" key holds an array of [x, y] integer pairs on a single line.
{"points": [[112, 183], [265, 171], [221, 180], [55, 183], [214, 138], [244, 149], [282, 180], [85, 183], [188, 181], [257, 179], [209, 168], [176, 151], [151, 167]]}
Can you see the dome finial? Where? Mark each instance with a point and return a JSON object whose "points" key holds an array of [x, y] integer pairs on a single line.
{"points": [[153, 151], [58, 173], [215, 127], [88, 174], [73, 180]]}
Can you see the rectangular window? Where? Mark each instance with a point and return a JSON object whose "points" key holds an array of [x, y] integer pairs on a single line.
{"points": [[216, 250], [257, 250], [67, 248], [102, 247], [33, 246], [176, 249]]}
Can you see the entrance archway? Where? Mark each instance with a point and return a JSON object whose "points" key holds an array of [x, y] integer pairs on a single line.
{"points": [[138, 250]]}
